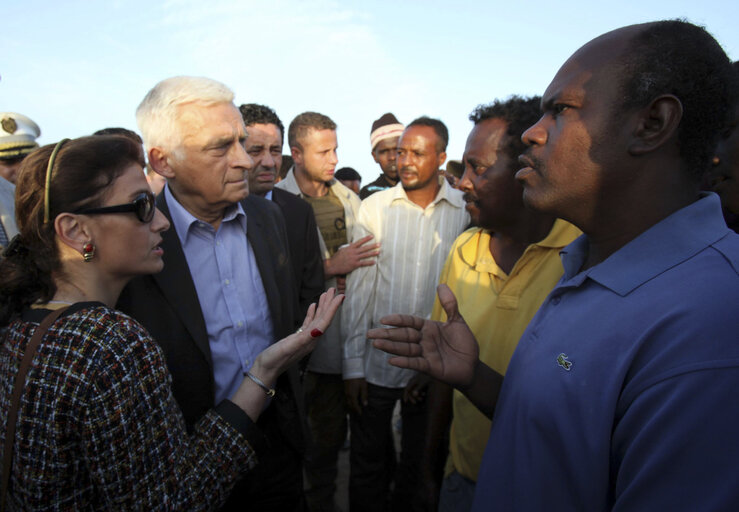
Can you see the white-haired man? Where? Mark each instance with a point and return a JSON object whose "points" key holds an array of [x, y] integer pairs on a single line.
{"points": [[227, 289]]}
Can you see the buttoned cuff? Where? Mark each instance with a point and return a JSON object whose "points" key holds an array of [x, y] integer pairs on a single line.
{"points": [[353, 368]]}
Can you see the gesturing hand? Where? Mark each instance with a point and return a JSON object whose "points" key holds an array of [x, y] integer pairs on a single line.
{"points": [[445, 351], [273, 360], [357, 254]]}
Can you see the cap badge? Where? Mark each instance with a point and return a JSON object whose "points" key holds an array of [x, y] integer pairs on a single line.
{"points": [[9, 124]]}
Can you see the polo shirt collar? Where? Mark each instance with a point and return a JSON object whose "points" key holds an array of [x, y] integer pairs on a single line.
{"points": [[663, 246], [475, 251], [559, 236]]}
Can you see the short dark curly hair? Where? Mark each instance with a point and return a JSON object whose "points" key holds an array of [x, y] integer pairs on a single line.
{"points": [[439, 127], [347, 173], [679, 58], [254, 113], [518, 111]]}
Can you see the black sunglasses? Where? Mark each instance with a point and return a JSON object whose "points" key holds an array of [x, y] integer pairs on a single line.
{"points": [[142, 206]]}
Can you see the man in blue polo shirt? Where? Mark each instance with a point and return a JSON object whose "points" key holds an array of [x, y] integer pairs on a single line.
{"points": [[622, 392]]}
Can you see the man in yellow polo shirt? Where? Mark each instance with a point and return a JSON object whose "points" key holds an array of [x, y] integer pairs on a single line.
{"points": [[500, 272]]}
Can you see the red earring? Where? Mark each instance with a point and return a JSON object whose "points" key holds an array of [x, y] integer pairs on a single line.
{"points": [[88, 251]]}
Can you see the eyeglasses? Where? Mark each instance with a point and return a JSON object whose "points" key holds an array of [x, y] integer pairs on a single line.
{"points": [[142, 206]]}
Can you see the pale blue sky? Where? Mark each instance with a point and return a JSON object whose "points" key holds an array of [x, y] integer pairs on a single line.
{"points": [[78, 66]]}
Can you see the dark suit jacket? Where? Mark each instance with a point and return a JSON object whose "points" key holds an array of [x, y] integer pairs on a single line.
{"points": [[167, 305], [305, 250]]}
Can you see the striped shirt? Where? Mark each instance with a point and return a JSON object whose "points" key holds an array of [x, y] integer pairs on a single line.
{"points": [[414, 243]]}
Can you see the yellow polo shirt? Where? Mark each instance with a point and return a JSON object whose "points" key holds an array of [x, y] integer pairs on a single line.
{"points": [[497, 307]]}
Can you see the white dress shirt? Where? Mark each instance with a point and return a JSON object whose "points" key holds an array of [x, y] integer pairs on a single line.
{"points": [[414, 242]]}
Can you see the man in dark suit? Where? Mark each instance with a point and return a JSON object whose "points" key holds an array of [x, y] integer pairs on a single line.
{"points": [[265, 136], [227, 290]]}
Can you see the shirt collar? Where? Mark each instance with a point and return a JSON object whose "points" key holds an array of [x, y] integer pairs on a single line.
{"points": [[561, 234], [664, 245], [445, 193], [339, 189], [291, 184], [475, 251], [184, 220]]}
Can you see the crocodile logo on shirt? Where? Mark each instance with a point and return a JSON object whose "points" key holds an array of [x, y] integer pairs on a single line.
{"points": [[563, 362]]}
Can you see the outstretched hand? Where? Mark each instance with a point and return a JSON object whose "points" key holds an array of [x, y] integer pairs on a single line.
{"points": [[445, 351], [273, 360]]}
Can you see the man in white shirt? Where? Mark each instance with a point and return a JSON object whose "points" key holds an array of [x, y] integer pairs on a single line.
{"points": [[416, 223]]}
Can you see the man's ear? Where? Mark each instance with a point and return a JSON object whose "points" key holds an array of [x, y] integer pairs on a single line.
{"points": [[657, 123], [72, 231], [442, 159], [375, 157], [159, 161], [297, 155]]}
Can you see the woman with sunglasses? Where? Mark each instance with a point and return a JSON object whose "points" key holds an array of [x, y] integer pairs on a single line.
{"points": [[97, 427]]}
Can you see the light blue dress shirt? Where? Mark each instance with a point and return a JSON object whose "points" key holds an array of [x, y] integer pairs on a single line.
{"points": [[230, 290]]}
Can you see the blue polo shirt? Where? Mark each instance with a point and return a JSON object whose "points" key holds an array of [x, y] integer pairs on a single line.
{"points": [[623, 393]]}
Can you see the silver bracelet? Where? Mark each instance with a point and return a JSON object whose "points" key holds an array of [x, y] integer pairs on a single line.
{"points": [[270, 391]]}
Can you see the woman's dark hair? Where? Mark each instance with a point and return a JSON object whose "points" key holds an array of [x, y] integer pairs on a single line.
{"points": [[83, 169]]}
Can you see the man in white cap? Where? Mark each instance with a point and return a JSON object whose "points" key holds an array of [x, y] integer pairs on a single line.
{"points": [[18, 136], [384, 138], [8, 228]]}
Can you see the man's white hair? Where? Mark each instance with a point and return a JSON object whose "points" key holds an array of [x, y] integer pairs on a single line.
{"points": [[158, 114]]}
